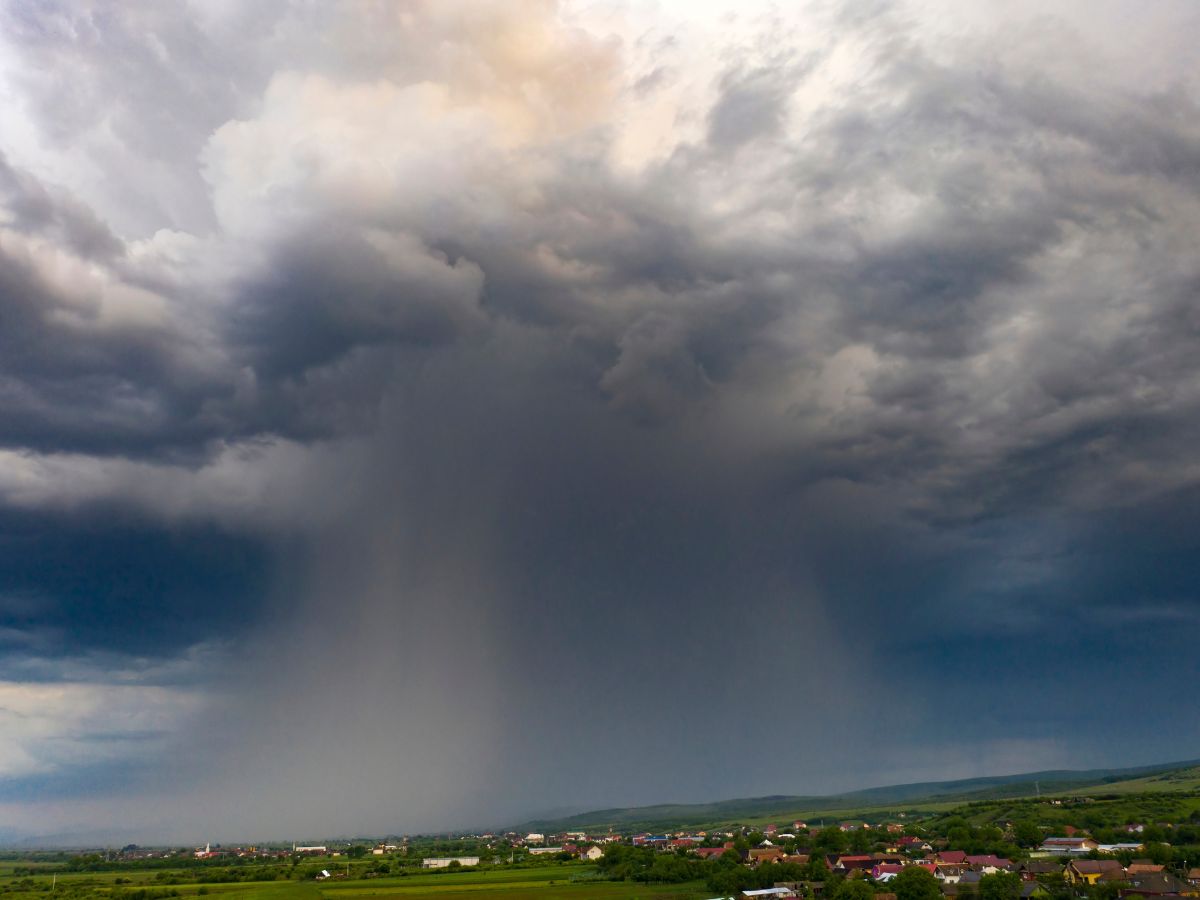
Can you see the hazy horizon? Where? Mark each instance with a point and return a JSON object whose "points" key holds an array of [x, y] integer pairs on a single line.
{"points": [[32, 841], [424, 414]]}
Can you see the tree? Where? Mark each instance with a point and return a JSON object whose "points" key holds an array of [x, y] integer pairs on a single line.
{"points": [[816, 870], [831, 839], [1104, 890], [915, 883], [1000, 886], [860, 841], [853, 889]]}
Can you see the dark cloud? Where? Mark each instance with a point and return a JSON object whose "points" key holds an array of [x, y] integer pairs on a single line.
{"points": [[332, 291], [107, 583], [501, 405], [751, 105]]}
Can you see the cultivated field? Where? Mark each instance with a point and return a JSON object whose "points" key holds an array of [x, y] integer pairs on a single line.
{"points": [[566, 882]]}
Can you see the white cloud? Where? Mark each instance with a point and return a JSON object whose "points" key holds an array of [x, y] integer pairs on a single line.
{"points": [[52, 727]]}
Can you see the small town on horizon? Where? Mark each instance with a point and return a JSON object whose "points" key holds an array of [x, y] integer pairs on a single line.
{"points": [[1122, 837], [444, 444]]}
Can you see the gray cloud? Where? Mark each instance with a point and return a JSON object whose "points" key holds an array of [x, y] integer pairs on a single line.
{"points": [[571, 401]]}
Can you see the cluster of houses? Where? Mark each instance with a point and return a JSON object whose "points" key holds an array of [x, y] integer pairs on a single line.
{"points": [[958, 872]]}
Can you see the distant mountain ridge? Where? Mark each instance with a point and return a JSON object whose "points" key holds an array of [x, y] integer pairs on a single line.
{"points": [[1051, 781]]}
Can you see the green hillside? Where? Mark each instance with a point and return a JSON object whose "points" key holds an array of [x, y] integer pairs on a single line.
{"points": [[877, 802]]}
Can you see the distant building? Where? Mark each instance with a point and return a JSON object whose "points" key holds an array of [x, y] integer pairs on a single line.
{"points": [[443, 862], [1064, 846]]}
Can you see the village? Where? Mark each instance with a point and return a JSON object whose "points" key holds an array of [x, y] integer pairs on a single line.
{"points": [[851, 860]]}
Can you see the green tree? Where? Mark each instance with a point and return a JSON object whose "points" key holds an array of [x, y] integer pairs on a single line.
{"points": [[830, 839], [915, 883], [1000, 886], [1104, 890], [853, 889], [860, 841]]}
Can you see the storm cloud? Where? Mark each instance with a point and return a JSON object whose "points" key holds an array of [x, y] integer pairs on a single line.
{"points": [[434, 414]]}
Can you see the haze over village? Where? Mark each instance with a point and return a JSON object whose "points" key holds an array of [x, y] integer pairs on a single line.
{"points": [[599, 448]]}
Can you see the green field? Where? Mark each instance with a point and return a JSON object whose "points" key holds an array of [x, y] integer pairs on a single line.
{"points": [[566, 882]]}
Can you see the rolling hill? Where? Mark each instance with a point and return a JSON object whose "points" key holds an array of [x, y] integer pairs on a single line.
{"points": [[927, 796]]}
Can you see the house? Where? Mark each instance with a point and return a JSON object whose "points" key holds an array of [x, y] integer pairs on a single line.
{"points": [[1158, 884], [1142, 867], [1032, 869], [781, 891], [593, 853], [535, 838], [1090, 871], [849, 863], [949, 874], [885, 871], [1193, 877], [709, 852], [989, 864], [1065, 846], [1031, 890], [950, 857], [968, 882], [760, 855]]}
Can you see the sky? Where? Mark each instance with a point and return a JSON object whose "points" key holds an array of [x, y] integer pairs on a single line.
{"points": [[436, 414]]}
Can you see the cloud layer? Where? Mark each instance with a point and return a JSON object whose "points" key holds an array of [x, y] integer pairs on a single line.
{"points": [[513, 391]]}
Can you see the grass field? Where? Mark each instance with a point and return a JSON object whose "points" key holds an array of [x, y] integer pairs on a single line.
{"points": [[568, 882]]}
